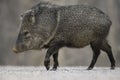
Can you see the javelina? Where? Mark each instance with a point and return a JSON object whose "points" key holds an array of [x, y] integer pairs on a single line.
{"points": [[53, 27]]}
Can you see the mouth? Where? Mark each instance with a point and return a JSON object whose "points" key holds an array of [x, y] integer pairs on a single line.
{"points": [[15, 50]]}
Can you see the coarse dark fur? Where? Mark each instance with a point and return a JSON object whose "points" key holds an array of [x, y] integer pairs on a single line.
{"points": [[53, 27]]}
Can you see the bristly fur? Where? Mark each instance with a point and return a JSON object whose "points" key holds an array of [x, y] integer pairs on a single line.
{"points": [[51, 26]]}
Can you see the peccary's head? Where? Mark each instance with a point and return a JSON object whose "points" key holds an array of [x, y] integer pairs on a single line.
{"points": [[37, 25]]}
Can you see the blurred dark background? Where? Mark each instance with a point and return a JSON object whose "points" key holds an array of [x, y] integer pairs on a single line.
{"points": [[10, 11]]}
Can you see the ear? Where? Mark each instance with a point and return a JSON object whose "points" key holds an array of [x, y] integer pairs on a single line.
{"points": [[33, 17], [21, 16]]}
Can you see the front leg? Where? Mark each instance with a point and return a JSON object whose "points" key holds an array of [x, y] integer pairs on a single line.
{"points": [[55, 59], [52, 50], [47, 57]]}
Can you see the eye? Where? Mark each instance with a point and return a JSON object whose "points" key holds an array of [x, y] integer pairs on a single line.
{"points": [[26, 32], [26, 35], [21, 17]]}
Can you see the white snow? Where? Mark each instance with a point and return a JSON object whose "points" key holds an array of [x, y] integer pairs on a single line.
{"points": [[63, 73]]}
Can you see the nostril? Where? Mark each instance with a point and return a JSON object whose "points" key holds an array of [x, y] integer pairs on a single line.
{"points": [[15, 49]]}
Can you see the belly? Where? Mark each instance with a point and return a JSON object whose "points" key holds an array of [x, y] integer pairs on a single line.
{"points": [[82, 39]]}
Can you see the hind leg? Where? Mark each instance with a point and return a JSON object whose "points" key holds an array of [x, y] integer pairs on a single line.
{"points": [[107, 48], [96, 52]]}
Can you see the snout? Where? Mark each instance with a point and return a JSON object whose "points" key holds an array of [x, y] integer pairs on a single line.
{"points": [[15, 50]]}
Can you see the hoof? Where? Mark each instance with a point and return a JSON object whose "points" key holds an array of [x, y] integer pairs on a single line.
{"points": [[89, 68], [47, 68], [53, 69], [47, 64], [112, 68]]}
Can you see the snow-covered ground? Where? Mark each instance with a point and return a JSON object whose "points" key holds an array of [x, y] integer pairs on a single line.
{"points": [[63, 73]]}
